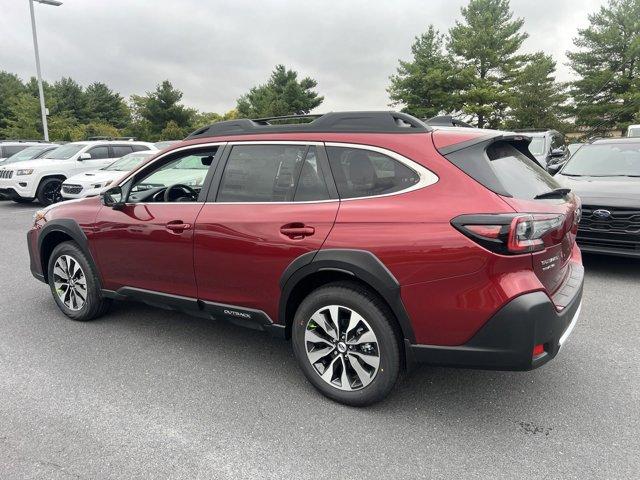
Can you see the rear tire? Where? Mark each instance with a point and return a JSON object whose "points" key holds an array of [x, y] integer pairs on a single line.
{"points": [[74, 284], [49, 191], [345, 344]]}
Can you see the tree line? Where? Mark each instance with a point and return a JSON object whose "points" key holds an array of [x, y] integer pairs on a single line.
{"points": [[476, 71]]}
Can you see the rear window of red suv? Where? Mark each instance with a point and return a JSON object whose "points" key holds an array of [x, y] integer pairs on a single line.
{"points": [[518, 174], [502, 167]]}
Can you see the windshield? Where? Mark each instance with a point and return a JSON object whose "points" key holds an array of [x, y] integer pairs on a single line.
{"points": [[633, 132], [536, 147], [64, 152], [616, 159], [128, 162], [26, 154]]}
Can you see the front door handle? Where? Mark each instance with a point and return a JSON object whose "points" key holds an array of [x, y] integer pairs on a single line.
{"points": [[178, 226], [297, 231]]}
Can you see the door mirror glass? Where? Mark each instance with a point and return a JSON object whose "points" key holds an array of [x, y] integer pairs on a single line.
{"points": [[113, 197], [84, 156]]}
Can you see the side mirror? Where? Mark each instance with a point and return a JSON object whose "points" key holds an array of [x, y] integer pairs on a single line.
{"points": [[557, 152], [84, 156], [554, 168], [113, 198]]}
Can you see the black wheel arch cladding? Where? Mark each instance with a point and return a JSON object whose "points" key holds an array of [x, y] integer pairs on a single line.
{"points": [[361, 264], [68, 228]]}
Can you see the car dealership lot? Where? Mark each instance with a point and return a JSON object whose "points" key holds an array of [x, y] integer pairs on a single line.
{"points": [[148, 393]]}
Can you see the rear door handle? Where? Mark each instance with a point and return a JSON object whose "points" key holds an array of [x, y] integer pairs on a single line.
{"points": [[178, 226], [297, 230]]}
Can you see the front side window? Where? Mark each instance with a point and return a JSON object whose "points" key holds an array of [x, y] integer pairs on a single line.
{"points": [[178, 179], [365, 173], [261, 173], [99, 153]]}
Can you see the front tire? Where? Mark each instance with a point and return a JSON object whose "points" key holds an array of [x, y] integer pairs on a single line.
{"points": [[49, 191], [75, 284], [345, 344]]}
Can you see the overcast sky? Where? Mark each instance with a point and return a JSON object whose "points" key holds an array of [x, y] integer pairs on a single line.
{"points": [[215, 51]]}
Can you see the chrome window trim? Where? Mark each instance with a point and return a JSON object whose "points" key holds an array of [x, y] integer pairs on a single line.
{"points": [[427, 177]]}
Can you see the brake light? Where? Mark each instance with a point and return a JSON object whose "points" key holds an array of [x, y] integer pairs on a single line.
{"points": [[509, 234], [538, 350]]}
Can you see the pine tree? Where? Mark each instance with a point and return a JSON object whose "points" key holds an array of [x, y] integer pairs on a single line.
{"points": [[538, 100], [427, 85], [486, 44], [607, 62], [283, 94]]}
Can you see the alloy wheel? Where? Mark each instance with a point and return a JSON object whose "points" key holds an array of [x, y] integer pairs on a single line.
{"points": [[52, 192], [70, 282], [342, 347]]}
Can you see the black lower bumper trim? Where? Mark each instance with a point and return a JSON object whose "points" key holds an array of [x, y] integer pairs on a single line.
{"points": [[506, 341]]}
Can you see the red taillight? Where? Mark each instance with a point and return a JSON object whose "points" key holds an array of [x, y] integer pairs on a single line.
{"points": [[538, 350], [488, 231], [510, 233]]}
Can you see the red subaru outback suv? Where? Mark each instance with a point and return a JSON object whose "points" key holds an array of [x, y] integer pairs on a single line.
{"points": [[369, 239]]}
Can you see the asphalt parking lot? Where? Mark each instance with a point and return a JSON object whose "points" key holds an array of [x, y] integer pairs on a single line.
{"points": [[145, 393]]}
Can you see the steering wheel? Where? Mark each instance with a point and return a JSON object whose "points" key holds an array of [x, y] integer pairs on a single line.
{"points": [[192, 194]]}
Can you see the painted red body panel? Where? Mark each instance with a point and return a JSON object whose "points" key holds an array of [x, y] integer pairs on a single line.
{"points": [[235, 254], [240, 253], [134, 247]]}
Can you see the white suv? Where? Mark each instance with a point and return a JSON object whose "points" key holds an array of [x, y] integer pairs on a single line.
{"points": [[42, 178], [91, 183]]}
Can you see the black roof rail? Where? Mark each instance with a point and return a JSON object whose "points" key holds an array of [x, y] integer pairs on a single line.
{"points": [[446, 121], [333, 122]]}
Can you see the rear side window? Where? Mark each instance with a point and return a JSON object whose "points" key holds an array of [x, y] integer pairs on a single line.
{"points": [[121, 150], [365, 173], [98, 153], [261, 173], [520, 176], [139, 148]]}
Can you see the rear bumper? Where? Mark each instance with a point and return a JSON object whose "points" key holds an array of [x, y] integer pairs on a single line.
{"points": [[506, 341]]}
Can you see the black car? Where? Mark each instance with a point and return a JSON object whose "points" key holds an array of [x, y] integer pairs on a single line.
{"points": [[548, 146], [606, 176]]}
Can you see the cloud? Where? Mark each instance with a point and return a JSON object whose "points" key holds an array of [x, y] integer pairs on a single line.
{"points": [[214, 51]]}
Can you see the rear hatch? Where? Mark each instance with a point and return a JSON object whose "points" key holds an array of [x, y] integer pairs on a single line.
{"points": [[503, 164]]}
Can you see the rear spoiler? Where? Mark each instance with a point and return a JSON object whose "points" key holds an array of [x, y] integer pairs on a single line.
{"points": [[515, 138]]}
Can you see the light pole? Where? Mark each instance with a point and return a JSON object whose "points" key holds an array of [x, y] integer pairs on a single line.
{"points": [[43, 109]]}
